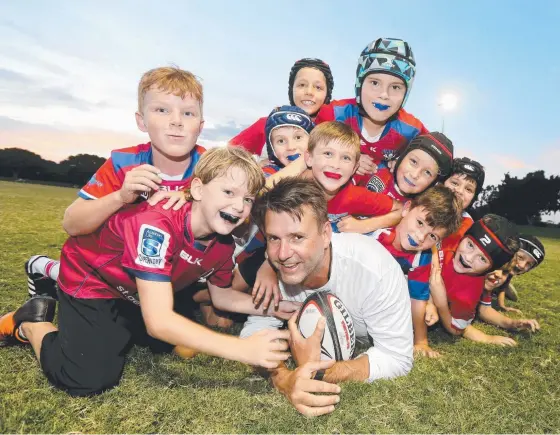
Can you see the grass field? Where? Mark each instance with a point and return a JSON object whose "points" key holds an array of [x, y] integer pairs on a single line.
{"points": [[473, 388]]}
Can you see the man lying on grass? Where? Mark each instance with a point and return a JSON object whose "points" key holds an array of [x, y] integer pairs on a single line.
{"points": [[117, 284], [308, 258]]}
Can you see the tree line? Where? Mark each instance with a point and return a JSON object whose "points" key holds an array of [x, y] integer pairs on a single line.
{"points": [[522, 200]]}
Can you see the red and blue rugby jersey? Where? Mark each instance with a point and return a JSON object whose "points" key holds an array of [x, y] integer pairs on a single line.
{"points": [[143, 242], [395, 136], [412, 264], [382, 181], [253, 138], [110, 176]]}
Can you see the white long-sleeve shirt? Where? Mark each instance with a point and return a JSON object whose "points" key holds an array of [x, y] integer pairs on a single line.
{"points": [[373, 288]]}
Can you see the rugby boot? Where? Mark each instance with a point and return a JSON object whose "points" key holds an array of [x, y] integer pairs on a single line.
{"points": [[36, 309], [37, 283]]}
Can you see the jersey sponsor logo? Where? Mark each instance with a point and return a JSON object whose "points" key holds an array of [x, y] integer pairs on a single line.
{"points": [[94, 182], [375, 184], [126, 294], [152, 247], [190, 259]]}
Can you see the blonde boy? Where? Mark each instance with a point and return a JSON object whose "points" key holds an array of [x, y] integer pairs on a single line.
{"points": [[118, 283]]}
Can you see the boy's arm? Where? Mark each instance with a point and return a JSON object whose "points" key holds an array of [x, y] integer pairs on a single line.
{"points": [[350, 224], [105, 194], [156, 302], [490, 315], [478, 336], [252, 138], [294, 169], [228, 299]]}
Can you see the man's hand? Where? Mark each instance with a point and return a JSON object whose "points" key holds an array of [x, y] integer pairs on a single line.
{"points": [[266, 286], [266, 348], [512, 310], [176, 199], [500, 340], [143, 178], [366, 165], [527, 324], [431, 317], [303, 349], [286, 309], [301, 390], [349, 224]]}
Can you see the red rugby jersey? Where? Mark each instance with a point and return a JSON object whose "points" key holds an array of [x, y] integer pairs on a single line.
{"points": [[143, 242]]}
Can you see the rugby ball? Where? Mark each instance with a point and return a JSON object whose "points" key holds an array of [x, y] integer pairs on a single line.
{"points": [[339, 339]]}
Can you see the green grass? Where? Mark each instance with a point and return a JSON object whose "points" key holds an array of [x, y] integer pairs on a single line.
{"points": [[474, 388]]}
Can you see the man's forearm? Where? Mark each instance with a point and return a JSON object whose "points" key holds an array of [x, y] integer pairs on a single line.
{"points": [[85, 216], [351, 370]]}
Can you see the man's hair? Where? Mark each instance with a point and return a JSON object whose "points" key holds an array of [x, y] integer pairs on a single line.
{"points": [[172, 80], [290, 195], [335, 131], [504, 230], [443, 209], [217, 161]]}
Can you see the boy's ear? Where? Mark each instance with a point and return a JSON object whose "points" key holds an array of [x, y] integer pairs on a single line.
{"points": [[308, 158], [405, 209], [201, 127], [140, 122], [327, 234], [196, 189]]}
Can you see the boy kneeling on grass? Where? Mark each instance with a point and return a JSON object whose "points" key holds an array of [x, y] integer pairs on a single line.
{"points": [[117, 284]]}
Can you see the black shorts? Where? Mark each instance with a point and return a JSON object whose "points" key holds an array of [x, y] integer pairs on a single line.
{"points": [[249, 268], [86, 356]]}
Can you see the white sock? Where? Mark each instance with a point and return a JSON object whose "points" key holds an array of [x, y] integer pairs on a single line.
{"points": [[21, 334], [45, 266]]}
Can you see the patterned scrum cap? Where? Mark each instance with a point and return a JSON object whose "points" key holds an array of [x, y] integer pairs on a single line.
{"points": [[386, 55]]}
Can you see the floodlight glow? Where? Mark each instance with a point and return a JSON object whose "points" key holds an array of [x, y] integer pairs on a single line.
{"points": [[448, 102]]}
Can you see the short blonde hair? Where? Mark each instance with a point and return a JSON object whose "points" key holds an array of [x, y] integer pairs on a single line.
{"points": [[217, 161], [335, 131], [172, 80]]}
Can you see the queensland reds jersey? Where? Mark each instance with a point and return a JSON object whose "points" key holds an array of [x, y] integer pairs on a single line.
{"points": [[110, 176], [143, 242], [253, 138], [382, 181], [486, 298], [412, 263], [357, 201], [394, 138]]}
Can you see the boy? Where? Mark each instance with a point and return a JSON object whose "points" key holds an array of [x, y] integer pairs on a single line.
{"points": [[310, 85], [332, 156], [170, 104], [467, 181], [457, 273], [531, 253], [427, 219], [384, 77], [489, 315], [140, 256], [427, 159]]}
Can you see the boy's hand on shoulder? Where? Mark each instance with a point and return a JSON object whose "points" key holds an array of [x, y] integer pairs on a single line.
{"points": [[366, 165], [175, 199], [266, 287], [143, 178]]}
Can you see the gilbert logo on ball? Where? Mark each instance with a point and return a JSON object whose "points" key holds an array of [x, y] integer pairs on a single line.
{"points": [[339, 339]]}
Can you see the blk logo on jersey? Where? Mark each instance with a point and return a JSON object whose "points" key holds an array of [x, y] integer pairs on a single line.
{"points": [[190, 259], [152, 247]]}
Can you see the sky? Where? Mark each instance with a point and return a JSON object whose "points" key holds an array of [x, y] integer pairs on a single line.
{"points": [[69, 70]]}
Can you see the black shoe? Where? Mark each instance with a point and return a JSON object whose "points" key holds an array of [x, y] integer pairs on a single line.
{"points": [[36, 309], [37, 283]]}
